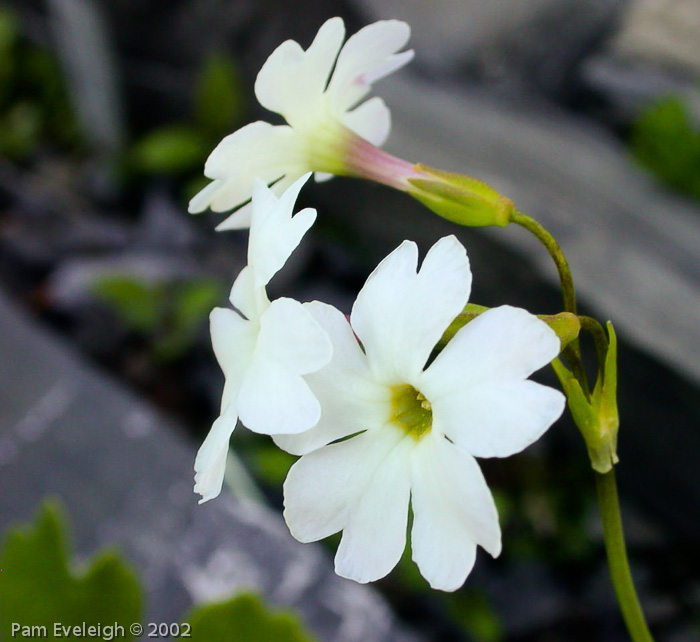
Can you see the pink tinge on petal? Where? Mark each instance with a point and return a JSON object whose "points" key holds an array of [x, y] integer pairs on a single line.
{"points": [[365, 160]]}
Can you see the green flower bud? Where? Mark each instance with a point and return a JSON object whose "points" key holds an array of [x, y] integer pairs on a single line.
{"points": [[460, 198]]}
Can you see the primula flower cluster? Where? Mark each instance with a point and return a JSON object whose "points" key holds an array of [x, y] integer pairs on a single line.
{"points": [[377, 424], [381, 418]]}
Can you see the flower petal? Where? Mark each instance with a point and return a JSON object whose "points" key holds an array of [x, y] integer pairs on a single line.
{"points": [[501, 343], [374, 536], [248, 299], [497, 419], [210, 463], [477, 384], [202, 199], [322, 177], [371, 120], [323, 487], [274, 398], [292, 80], [367, 56], [257, 150], [291, 337], [274, 232], [233, 339], [351, 401], [453, 511], [399, 315]]}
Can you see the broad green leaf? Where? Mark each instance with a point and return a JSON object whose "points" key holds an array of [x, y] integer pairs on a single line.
{"points": [[39, 588], [245, 619]]}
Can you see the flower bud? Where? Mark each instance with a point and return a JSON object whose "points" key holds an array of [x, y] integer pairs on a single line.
{"points": [[459, 198]]}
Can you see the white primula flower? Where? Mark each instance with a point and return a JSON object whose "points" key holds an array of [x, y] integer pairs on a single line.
{"points": [[329, 130], [265, 348], [419, 428]]}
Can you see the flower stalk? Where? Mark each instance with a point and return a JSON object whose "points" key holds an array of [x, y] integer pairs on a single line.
{"points": [[617, 558]]}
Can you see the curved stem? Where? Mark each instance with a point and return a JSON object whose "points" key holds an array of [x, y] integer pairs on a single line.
{"points": [[617, 558], [600, 339], [567, 282], [568, 292]]}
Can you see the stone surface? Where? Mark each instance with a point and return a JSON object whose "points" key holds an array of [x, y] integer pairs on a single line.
{"points": [[124, 473], [663, 32]]}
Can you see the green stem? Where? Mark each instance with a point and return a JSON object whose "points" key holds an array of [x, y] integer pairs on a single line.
{"points": [[617, 558], [600, 339], [567, 282], [568, 292]]}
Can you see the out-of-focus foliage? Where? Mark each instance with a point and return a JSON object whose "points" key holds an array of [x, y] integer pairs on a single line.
{"points": [[245, 619], [181, 148], [169, 315], [268, 463], [171, 149], [38, 587], [473, 611], [665, 140], [219, 103], [34, 107]]}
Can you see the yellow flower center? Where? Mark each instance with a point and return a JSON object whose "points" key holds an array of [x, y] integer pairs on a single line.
{"points": [[410, 410]]}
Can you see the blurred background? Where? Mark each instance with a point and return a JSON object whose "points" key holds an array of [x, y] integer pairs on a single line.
{"points": [[586, 114]]}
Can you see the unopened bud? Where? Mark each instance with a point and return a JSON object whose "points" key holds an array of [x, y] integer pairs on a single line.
{"points": [[459, 198]]}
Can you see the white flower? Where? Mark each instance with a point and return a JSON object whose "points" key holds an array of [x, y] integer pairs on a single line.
{"points": [[265, 348], [419, 428], [326, 128]]}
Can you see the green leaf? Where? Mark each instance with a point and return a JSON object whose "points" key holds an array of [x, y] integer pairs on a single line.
{"points": [[38, 587], [664, 140], [172, 149], [245, 619], [218, 95], [138, 305]]}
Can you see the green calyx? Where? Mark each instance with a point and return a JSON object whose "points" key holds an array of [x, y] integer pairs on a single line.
{"points": [[596, 417], [410, 410], [459, 198]]}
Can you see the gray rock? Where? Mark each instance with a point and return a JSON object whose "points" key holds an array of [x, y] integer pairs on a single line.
{"points": [[663, 32], [518, 46]]}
